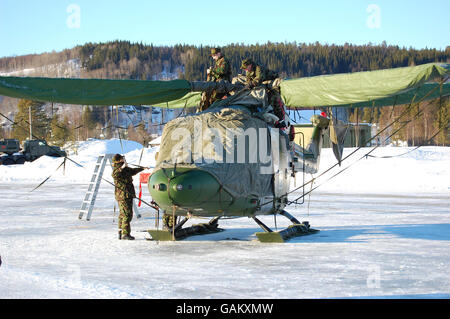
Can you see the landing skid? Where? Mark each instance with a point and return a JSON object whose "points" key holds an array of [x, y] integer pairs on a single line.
{"points": [[295, 230], [179, 233]]}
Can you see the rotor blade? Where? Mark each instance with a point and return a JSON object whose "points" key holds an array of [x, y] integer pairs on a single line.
{"points": [[94, 91], [371, 88]]}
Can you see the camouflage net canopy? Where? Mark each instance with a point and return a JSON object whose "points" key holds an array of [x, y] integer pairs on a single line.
{"points": [[225, 141], [368, 89], [93, 91], [361, 89]]}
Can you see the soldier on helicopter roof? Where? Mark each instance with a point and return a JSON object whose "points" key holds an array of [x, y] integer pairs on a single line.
{"points": [[255, 76], [124, 193], [220, 71]]}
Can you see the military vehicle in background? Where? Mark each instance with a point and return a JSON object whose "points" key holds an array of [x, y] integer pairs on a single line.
{"points": [[32, 150]]}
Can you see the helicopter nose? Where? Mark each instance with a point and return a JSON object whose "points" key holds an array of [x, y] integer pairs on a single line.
{"points": [[186, 188]]}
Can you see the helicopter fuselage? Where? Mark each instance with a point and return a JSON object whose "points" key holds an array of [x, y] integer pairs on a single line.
{"points": [[206, 193], [198, 193], [245, 171]]}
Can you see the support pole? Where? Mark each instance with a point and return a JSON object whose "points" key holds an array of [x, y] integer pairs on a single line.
{"points": [[29, 120], [262, 225]]}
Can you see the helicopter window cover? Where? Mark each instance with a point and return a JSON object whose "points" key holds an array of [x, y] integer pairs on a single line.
{"points": [[94, 91], [225, 142], [373, 88]]}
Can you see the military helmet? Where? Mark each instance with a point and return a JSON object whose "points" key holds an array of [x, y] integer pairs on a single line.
{"points": [[215, 51], [246, 63], [117, 158]]}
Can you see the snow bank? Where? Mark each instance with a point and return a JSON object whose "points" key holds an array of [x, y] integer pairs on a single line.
{"points": [[424, 170], [80, 165], [377, 246]]}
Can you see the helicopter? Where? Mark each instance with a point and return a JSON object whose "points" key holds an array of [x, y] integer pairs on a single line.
{"points": [[235, 159]]}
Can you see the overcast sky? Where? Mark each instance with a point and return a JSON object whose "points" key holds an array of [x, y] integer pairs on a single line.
{"points": [[30, 26]]}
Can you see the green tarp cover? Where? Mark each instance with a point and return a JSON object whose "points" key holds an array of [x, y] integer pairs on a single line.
{"points": [[192, 99], [206, 141], [94, 91], [372, 88]]}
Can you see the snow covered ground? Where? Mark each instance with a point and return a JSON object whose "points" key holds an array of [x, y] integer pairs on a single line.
{"points": [[384, 233]]}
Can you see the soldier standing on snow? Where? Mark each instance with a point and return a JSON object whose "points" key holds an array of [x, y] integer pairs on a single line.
{"points": [[124, 193]]}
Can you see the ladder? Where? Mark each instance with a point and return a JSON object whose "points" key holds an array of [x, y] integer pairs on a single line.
{"points": [[88, 202]]}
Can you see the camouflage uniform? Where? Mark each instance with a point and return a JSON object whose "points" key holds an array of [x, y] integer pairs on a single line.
{"points": [[257, 74], [277, 105], [124, 192], [220, 71], [168, 221]]}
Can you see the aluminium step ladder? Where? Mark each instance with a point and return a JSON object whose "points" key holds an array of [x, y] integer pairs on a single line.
{"points": [[87, 206]]}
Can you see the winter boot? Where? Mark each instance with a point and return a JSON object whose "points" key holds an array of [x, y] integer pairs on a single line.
{"points": [[127, 237]]}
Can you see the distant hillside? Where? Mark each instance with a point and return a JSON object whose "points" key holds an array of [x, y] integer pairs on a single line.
{"points": [[126, 60], [63, 69], [123, 59]]}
